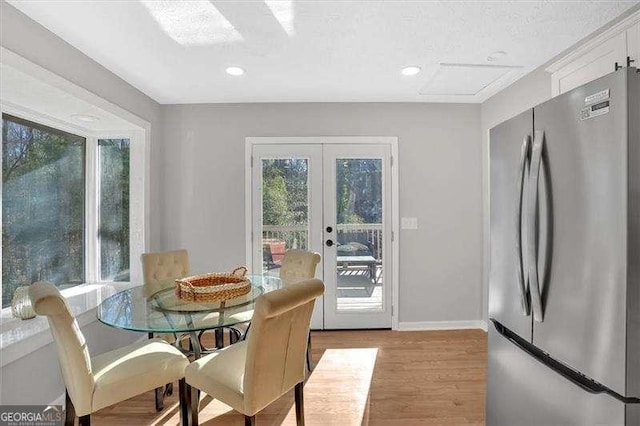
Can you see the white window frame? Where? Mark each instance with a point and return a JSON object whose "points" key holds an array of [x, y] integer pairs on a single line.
{"points": [[92, 190], [18, 338]]}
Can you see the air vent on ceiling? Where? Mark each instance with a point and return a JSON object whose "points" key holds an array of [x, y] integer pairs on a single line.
{"points": [[464, 79]]}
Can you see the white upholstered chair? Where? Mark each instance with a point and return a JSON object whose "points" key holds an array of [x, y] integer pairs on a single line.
{"points": [[252, 374], [93, 383], [297, 266], [160, 269]]}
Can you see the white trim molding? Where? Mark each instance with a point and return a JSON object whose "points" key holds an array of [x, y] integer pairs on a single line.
{"points": [[392, 141], [19, 338], [611, 32], [442, 325]]}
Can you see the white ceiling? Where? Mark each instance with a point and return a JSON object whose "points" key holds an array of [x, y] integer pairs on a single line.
{"points": [[295, 50]]}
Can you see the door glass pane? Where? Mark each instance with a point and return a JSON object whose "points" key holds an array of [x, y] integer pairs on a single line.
{"points": [[285, 209], [113, 228], [43, 201], [359, 275]]}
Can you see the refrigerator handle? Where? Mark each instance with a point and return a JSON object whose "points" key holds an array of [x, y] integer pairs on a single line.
{"points": [[568, 373], [522, 273], [532, 206]]}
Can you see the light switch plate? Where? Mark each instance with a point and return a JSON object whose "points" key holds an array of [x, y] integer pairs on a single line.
{"points": [[409, 223]]}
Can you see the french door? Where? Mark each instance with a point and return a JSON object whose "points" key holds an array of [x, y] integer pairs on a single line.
{"points": [[333, 199]]}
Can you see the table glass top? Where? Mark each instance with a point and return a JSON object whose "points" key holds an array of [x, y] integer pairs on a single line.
{"points": [[162, 312]]}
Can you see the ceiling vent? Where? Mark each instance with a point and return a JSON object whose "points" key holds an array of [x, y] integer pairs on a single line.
{"points": [[465, 79]]}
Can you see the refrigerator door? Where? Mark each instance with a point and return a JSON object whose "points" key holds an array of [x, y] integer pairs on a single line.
{"points": [[509, 159], [633, 238], [524, 392], [582, 255]]}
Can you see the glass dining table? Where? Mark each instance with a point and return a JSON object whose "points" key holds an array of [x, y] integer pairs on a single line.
{"points": [[162, 312]]}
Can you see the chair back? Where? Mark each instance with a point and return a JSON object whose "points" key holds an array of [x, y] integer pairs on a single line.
{"points": [[71, 345], [298, 265], [277, 344], [160, 269]]}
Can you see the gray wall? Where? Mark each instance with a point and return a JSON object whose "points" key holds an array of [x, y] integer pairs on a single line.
{"points": [[35, 378], [202, 205]]}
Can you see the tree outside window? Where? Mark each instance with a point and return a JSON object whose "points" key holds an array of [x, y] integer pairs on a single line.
{"points": [[43, 201], [44, 213]]}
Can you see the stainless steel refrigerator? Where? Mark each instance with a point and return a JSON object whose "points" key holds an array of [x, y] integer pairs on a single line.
{"points": [[564, 298]]}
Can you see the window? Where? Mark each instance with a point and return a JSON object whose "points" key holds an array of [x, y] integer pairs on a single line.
{"points": [[47, 196], [113, 229]]}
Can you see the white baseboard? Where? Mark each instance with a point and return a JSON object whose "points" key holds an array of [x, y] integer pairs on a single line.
{"points": [[442, 325]]}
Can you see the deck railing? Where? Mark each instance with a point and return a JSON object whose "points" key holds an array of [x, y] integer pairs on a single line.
{"points": [[296, 236]]}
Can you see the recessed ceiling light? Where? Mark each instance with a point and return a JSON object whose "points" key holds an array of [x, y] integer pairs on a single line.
{"points": [[495, 56], [235, 71], [85, 118], [412, 70]]}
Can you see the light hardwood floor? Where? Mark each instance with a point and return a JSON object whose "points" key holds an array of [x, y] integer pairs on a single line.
{"points": [[375, 377]]}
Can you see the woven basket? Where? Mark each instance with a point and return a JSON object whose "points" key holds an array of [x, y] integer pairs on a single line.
{"points": [[214, 287]]}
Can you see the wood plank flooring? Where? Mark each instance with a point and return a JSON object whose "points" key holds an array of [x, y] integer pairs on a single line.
{"points": [[375, 377]]}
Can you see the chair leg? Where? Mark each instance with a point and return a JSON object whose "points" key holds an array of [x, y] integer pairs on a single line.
{"points": [[234, 336], [69, 411], [70, 414], [249, 420], [246, 333], [194, 396], [219, 335], [184, 395], [309, 352], [299, 404], [159, 398]]}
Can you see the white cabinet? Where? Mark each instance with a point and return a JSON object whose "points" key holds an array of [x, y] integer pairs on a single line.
{"points": [[598, 56], [595, 63]]}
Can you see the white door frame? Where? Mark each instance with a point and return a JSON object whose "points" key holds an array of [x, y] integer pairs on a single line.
{"points": [[392, 141]]}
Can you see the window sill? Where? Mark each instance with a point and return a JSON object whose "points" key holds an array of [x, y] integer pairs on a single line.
{"points": [[21, 337]]}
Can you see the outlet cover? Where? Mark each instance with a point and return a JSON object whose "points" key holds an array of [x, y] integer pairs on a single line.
{"points": [[409, 223]]}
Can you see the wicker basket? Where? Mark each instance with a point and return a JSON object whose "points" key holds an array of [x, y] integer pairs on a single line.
{"points": [[214, 287]]}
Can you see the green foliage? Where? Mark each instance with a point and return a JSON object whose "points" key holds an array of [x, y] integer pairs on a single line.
{"points": [[113, 228], [285, 192], [42, 206], [285, 198], [359, 190], [275, 201]]}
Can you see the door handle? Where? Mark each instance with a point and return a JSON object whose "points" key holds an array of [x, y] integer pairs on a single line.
{"points": [[532, 245], [522, 274], [329, 243]]}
